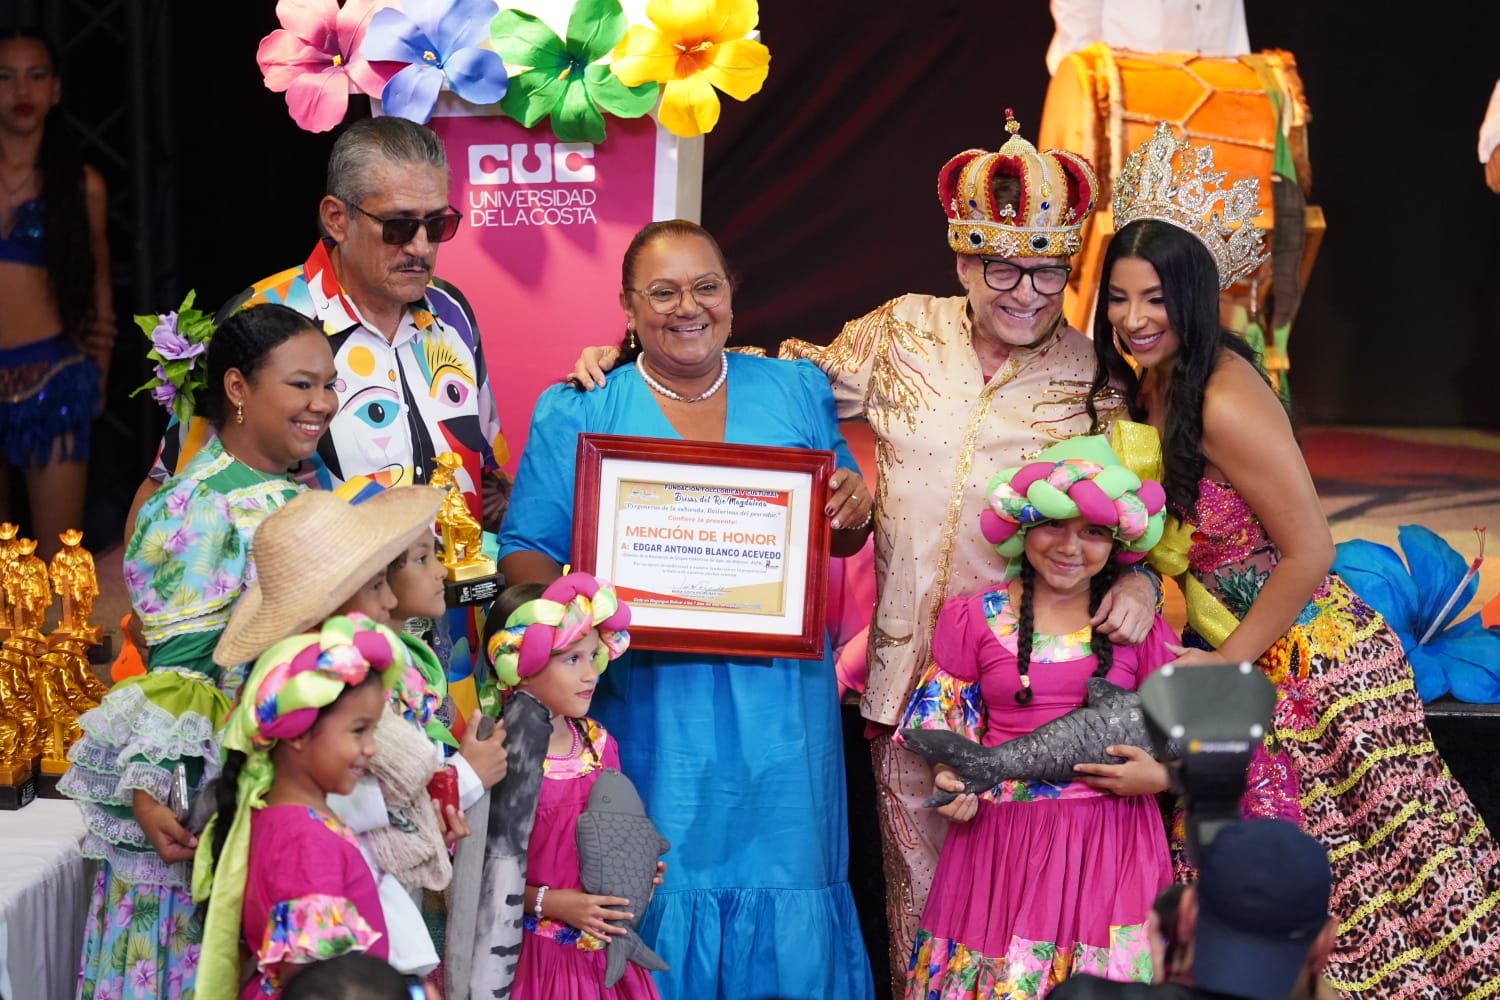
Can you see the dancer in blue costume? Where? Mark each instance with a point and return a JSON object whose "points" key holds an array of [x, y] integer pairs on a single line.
{"points": [[739, 759]]}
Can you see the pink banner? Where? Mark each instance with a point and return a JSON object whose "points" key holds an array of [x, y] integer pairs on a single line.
{"points": [[538, 255]]}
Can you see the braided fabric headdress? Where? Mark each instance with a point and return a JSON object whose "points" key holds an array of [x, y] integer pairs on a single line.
{"points": [[571, 607], [280, 701], [1080, 477], [1056, 195], [1170, 180]]}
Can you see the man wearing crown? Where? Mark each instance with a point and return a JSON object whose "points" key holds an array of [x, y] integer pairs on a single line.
{"points": [[954, 389]]}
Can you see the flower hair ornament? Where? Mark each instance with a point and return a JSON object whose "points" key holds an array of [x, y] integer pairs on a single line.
{"points": [[289, 684], [1080, 477], [571, 607], [179, 341]]}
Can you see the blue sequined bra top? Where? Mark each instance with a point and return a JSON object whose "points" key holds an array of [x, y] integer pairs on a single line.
{"points": [[23, 243]]}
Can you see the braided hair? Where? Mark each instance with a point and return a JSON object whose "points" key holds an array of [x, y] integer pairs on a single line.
{"points": [[1103, 650]]}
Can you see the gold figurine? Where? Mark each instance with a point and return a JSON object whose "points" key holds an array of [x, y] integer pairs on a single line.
{"points": [[463, 552], [76, 584], [26, 590], [9, 551], [21, 735]]}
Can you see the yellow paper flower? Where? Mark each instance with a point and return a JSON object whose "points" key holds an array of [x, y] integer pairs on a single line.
{"points": [[697, 45]]}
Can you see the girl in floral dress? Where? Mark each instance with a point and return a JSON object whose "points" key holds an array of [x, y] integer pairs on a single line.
{"points": [[554, 644], [1037, 881], [280, 870], [269, 395]]}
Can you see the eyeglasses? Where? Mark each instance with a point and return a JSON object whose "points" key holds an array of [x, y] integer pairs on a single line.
{"points": [[707, 292], [398, 232], [1048, 279]]}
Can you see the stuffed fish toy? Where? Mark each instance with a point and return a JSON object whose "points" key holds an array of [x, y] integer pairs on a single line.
{"points": [[1110, 716], [617, 851]]}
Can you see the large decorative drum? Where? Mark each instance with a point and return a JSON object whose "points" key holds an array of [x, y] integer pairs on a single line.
{"points": [[1105, 102]]}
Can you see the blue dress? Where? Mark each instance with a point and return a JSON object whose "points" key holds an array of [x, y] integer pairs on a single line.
{"points": [[739, 759]]}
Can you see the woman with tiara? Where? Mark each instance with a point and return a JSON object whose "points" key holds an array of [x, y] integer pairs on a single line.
{"points": [[1348, 755]]}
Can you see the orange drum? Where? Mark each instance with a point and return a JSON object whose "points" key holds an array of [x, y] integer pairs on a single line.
{"points": [[1103, 103]]}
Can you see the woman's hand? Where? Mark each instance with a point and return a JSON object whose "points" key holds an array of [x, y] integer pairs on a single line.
{"points": [[1141, 774], [1191, 656], [170, 838], [452, 822], [850, 506], [658, 879], [961, 809], [587, 912], [589, 369]]}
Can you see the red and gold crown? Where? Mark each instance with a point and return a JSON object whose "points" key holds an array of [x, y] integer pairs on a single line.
{"points": [[1056, 196]]}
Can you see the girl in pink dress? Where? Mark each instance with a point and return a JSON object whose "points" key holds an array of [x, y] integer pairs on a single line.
{"points": [[1037, 881], [285, 878], [555, 643]]}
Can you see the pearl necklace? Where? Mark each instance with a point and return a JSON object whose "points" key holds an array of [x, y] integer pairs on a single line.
{"points": [[656, 386], [573, 751]]}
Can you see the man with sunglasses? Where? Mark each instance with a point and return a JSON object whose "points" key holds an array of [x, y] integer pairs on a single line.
{"points": [[412, 377]]}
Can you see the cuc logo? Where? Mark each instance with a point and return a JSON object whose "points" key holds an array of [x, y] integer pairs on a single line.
{"points": [[542, 163]]}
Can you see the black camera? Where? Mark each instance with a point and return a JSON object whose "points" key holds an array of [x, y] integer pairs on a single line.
{"points": [[1214, 716]]}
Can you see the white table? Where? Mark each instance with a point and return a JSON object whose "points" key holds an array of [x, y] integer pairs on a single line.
{"points": [[44, 896]]}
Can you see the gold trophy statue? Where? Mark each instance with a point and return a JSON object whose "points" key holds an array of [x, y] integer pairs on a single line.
{"points": [[76, 584], [21, 737], [10, 549], [463, 554], [23, 580]]}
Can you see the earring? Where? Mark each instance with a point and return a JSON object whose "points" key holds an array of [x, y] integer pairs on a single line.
{"points": [[239, 413], [630, 341]]}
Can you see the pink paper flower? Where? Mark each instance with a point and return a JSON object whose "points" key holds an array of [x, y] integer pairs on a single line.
{"points": [[314, 56]]}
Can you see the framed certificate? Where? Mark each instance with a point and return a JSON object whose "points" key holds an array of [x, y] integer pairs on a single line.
{"points": [[718, 548]]}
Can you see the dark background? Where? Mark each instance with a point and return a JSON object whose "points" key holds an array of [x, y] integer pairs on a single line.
{"points": [[822, 187]]}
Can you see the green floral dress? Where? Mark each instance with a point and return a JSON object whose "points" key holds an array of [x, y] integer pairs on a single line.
{"points": [[185, 566]]}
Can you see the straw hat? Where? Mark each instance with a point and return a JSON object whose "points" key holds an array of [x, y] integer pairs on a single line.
{"points": [[314, 554]]}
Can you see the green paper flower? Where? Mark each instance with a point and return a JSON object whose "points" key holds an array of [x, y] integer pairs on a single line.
{"points": [[564, 79]]}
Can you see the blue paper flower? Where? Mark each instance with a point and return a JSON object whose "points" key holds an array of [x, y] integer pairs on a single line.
{"points": [[440, 41], [1463, 658]]}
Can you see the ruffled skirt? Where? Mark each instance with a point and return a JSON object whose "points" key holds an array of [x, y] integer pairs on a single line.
{"points": [[1029, 893], [555, 970]]}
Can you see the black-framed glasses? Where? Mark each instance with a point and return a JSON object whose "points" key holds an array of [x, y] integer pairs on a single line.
{"points": [[1047, 279], [400, 231], [707, 292]]}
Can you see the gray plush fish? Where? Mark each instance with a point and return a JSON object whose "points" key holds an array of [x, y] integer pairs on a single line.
{"points": [[1109, 716], [489, 866], [617, 851]]}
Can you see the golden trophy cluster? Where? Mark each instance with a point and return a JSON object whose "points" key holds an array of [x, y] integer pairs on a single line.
{"points": [[471, 574], [46, 682]]}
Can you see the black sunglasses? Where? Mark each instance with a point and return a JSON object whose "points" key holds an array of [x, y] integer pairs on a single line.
{"points": [[398, 232]]}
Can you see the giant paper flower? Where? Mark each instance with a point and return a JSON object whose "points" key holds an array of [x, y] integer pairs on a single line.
{"points": [[314, 56], [1420, 599], [564, 79], [439, 41], [697, 45]]}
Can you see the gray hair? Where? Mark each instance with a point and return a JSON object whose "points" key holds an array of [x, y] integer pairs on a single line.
{"points": [[371, 142]]}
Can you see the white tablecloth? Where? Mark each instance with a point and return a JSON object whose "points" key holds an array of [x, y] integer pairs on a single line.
{"points": [[43, 900]]}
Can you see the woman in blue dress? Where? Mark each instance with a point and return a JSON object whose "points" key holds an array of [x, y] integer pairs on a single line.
{"points": [[739, 759]]}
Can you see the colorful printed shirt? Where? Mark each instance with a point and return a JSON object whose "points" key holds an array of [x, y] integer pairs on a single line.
{"points": [[909, 369], [401, 402], [308, 895], [189, 557]]}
